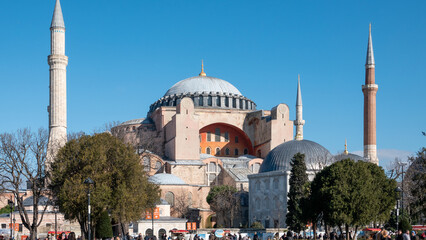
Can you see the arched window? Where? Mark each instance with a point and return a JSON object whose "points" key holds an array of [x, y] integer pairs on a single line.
{"points": [[217, 151], [218, 101], [200, 101], [259, 153], [226, 102], [241, 104], [189, 199], [234, 103], [267, 183], [227, 151], [146, 164], [245, 151], [209, 101], [236, 152], [170, 198], [212, 167], [276, 181], [157, 165], [257, 185], [255, 167], [208, 151]]}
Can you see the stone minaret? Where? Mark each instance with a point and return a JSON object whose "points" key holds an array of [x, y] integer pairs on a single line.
{"points": [[299, 122], [58, 84], [370, 90]]}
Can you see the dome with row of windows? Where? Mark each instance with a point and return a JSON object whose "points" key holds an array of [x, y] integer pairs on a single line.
{"points": [[206, 92]]}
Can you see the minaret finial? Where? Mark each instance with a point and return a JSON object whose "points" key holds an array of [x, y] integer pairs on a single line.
{"points": [[202, 73], [299, 122], [370, 54], [57, 19], [346, 148]]}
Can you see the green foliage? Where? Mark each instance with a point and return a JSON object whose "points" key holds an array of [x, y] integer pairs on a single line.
{"points": [[103, 226], [416, 181], [121, 186], [404, 224], [5, 209], [352, 193], [257, 225], [297, 194]]}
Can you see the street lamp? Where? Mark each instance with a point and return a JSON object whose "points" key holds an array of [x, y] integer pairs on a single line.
{"points": [[10, 202], [88, 182], [398, 192], [402, 164]]}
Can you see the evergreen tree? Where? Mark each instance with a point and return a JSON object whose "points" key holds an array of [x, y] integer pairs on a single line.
{"points": [[297, 194], [103, 226]]}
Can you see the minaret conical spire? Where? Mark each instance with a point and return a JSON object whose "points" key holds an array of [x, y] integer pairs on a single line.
{"points": [[58, 19], [299, 122], [370, 53], [299, 92]]}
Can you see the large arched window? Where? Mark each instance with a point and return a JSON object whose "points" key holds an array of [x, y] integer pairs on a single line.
{"points": [[146, 163], [212, 171], [157, 165], [255, 167], [212, 167], [170, 198]]}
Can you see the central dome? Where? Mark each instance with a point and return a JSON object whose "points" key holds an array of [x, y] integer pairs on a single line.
{"points": [[199, 84]]}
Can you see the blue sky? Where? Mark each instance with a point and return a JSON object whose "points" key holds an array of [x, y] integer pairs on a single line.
{"points": [[124, 55]]}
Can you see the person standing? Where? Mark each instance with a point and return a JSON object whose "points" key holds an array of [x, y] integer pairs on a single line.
{"points": [[406, 235]]}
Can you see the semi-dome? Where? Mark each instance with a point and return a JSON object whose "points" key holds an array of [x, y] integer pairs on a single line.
{"points": [[166, 179], [199, 84], [279, 158]]}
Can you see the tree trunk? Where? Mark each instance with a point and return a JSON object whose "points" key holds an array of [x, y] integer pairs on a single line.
{"points": [[33, 233], [314, 227], [347, 231]]}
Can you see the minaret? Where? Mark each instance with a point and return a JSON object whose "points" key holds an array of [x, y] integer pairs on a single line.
{"points": [[299, 122], [370, 90], [58, 84]]}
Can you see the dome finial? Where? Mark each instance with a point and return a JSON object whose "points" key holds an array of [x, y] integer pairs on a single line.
{"points": [[202, 73], [346, 148]]}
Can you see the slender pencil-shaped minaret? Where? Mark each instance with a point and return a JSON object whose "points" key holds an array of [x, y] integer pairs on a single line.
{"points": [[370, 89], [299, 122], [58, 84]]}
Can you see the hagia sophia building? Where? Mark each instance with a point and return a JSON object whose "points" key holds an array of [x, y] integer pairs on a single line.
{"points": [[204, 131]]}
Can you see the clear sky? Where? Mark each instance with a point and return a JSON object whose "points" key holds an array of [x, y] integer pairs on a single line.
{"points": [[124, 55]]}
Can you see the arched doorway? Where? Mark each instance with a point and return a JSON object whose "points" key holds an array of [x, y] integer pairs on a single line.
{"points": [[161, 232], [148, 232]]}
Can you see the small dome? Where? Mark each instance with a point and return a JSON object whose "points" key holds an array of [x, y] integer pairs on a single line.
{"points": [[199, 84], [166, 179], [350, 156], [279, 158]]}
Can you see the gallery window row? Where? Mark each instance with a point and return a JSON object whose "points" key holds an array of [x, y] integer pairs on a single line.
{"points": [[226, 151], [219, 137]]}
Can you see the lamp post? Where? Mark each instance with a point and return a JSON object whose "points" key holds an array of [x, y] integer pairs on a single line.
{"points": [[10, 202], [88, 182], [402, 164], [398, 192]]}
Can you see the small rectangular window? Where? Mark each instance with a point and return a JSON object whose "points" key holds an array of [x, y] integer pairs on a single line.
{"points": [[236, 139], [226, 136], [209, 136], [3, 225]]}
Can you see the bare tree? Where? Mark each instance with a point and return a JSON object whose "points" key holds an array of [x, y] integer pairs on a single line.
{"points": [[22, 159], [181, 205]]}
